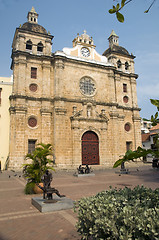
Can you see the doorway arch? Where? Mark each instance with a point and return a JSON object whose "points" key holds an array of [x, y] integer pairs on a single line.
{"points": [[90, 148]]}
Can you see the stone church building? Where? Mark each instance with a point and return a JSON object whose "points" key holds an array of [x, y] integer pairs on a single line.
{"points": [[83, 103]]}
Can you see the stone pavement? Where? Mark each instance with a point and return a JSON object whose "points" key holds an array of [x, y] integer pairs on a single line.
{"points": [[19, 220]]}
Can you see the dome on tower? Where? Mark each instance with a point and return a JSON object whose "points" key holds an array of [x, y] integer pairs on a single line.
{"points": [[34, 27], [32, 24], [114, 46], [116, 49]]}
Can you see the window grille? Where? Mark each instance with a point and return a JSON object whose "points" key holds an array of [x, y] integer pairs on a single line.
{"points": [[31, 145], [33, 72]]}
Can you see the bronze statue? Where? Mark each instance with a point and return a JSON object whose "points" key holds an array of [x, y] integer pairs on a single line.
{"points": [[87, 169], [47, 189], [84, 170], [80, 169]]}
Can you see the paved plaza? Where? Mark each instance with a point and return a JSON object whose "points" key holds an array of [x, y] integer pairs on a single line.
{"points": [[20, 220]]}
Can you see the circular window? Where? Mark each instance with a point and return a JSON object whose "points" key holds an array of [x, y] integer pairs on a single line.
{"points": [[127, 127], [33, 87], [87, 86], [32, 122], [125, 99]]}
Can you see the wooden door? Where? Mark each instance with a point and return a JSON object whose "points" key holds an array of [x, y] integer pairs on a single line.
{"points": [[90, 148]]}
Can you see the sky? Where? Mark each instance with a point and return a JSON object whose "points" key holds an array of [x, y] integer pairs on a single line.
{"points": [[139, 34]]}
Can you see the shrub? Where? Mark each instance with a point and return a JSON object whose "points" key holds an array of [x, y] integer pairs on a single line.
{"points": [[127, 214], [40, 163], [29, 188]]}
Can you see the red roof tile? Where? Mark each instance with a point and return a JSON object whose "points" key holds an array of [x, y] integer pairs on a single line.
{"points": [[145, 137], [155, 127]]}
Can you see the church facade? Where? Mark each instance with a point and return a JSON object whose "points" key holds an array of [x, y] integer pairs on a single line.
{"points": [[83, 103]]}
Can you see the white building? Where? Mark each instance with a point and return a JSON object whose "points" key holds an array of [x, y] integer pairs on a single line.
{"points": [[5, 91]]}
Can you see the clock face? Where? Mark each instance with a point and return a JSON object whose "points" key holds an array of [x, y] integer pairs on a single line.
{"points": [[85, 52]]}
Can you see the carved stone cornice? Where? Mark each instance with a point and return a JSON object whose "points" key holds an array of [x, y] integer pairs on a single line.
{"points": [[128, 108], [22, 30], [20, 61], [84, 119], [114, 114], [18, 110], [60, 111], [121, 73], [16, 96], [121, 117], [79, 61], [59, 64], [133, 80], [46, 65], [136, 119], [73, 100], [45, 111], [30, 55], [111, 75]]}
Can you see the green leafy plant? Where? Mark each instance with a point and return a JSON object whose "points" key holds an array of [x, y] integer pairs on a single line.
{"points": [[116, 9], [133, 155], [29, 188], [40, 163], [124, 214], [140, 152]]}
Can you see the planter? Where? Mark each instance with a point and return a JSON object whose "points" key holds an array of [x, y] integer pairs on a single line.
{"points": [[38, 190]]}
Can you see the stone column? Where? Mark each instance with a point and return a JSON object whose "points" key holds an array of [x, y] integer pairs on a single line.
{"points": [[19, 75], [17, 137], [46, 126], [76, 144], [112, 87], [114, 128], [121, 135], [46, 82], [118, 90], [137, 129], [133, 92], [59, 67]]}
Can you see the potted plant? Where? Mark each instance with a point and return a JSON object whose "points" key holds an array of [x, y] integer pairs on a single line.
{"points": [[40, 162]]}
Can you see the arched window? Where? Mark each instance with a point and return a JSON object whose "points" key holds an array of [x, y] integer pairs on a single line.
{"points": [[29, 45], [126, 65], [40, 47], [119, 64]]}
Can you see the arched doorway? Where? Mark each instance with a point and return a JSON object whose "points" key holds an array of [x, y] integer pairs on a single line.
{"points": [[90, 148]]}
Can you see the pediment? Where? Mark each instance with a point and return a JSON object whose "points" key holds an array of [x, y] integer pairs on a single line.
{"points": [[83, 47], [97, 117], [77, 52]]}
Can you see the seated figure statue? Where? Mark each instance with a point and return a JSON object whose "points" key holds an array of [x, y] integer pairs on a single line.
{"points": [[47, 189], [47, 179], [84, 170], [87, 169], [80, 169]]}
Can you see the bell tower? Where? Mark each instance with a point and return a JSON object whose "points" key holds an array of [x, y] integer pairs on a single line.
{"points": [[32, 16], [32, 88], [113, 39]]}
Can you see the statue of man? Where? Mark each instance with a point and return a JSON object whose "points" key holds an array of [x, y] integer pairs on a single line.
{"points": [[47, 179]]}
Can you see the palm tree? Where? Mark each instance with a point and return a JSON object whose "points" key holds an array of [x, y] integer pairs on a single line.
{"points": [[40, 163]]}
